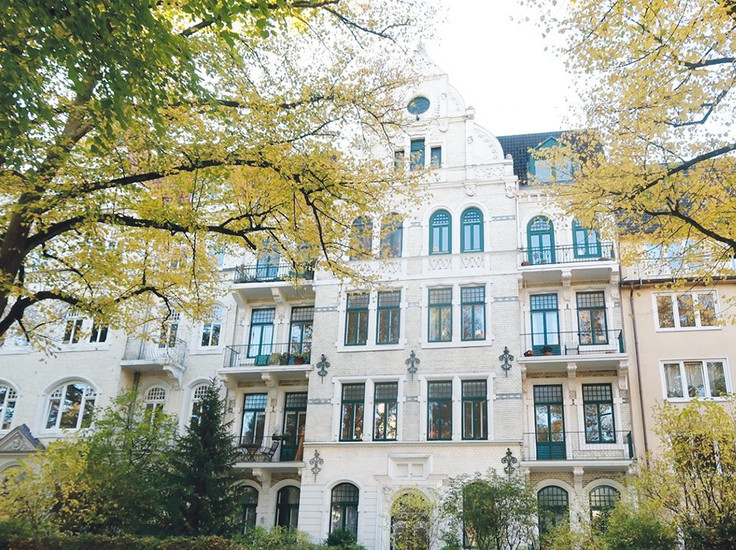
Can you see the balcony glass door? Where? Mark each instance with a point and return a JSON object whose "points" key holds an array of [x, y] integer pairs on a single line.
{"points": [[261, 334], [295, 415], [540, 233], [545, 324], [549, 422]]}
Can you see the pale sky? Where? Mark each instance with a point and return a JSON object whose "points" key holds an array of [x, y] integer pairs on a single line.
{"points": [[500, 67]]}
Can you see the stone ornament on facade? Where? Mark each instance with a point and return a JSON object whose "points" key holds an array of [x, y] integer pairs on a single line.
{"points": [[316, 462]]}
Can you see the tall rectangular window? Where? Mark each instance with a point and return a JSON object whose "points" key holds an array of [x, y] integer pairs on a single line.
{"points": [[416, 160], [72, 330], [389, 316], [169, 331], [300, 331], [352, 412], [399, 159], [440, 315], [592, 328], [475, 409], [439, 410], [598, 412], [261, 332], [385, 412], [211, 329], [356, 319], [99, 333], [254, 419], [435, 157], [687, 310], [473, 312], [545, 324]]}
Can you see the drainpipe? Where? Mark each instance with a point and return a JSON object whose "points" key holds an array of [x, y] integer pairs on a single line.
{"points": [[638, 369]]}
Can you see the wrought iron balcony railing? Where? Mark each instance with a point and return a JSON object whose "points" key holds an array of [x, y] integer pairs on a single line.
{"points": [[581, 342], [593, 445], [274, 448], [262, 273], [547, 255], [153, 351], [262, 355]]}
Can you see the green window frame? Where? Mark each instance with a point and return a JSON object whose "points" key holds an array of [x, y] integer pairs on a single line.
{"points": [[545, 323], [416, 154], [439, 410], [592, 326], [553, 504], [344, 501], [540, 233], [471, 230], [602, 500], [361, 238], [356, 319], [300, 330], [440, 233], [261, 332], [388, 325], [351, 421], [287, 507], [585, 241], [435, 157], [392, 233], [600, 425], [249, 506], [475, 409], [254, 418], [385, 411], [440, 315], [473, 313]]}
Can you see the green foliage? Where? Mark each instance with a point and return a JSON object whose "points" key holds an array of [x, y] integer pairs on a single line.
{"points": [[411, 522], [496, 512], [136, 136], [276, 538], [201, 478], [631, 527], [343, 539], [65, 541]]}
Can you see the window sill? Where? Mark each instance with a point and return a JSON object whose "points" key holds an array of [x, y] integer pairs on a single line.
{"points": [[206, 351], [66, 348], [687, 329], [690, 399]]}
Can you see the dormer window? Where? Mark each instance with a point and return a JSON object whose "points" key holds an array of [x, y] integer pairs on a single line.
{"points": [[545, 170]]}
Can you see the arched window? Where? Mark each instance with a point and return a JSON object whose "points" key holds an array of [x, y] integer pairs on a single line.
{"points": [[287, 507], [602, 500], [553, 508], [70, 406], [249, 502], [585, 242], [344, 508], [361, 239], [440, 233], [471, 226], [541, 237], [391, 236], [8, 399], [198, 394], [154, 399]]}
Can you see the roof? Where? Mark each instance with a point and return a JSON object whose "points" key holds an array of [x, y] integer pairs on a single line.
{"points": [[518, 147]]}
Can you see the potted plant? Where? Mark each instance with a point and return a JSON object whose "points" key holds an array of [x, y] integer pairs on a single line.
{"points": [[546, 350], [284, 359], [300, 358]]}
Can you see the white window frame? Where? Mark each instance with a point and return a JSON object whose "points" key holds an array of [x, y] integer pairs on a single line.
{"points": [[675, 310], [11, 395], [216, 318], [89, 393], [683, 378]]}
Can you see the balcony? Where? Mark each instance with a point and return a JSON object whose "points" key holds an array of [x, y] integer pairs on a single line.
{"points": [[144, 355], [281, 361], [264, 281], [552, 264], [553, 352], [274, 453], [563, 451]]}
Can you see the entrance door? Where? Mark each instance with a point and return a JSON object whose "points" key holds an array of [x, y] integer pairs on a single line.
{"points": [[550, 422], [295, 414]]}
